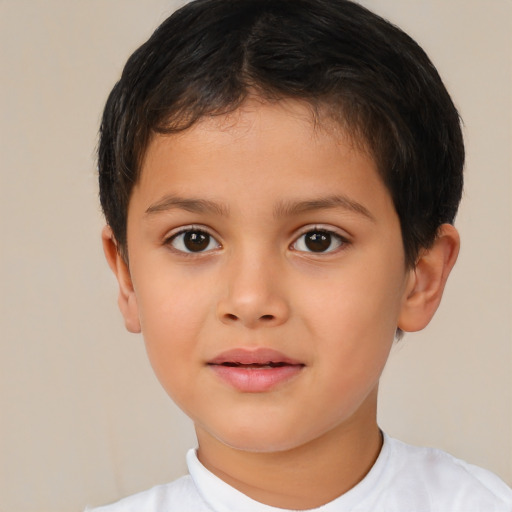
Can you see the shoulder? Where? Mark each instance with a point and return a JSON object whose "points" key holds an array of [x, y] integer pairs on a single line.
{"points": [[445, 482], [173, 497]]}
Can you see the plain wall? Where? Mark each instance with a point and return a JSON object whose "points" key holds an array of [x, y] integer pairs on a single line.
{"points": [[82, 418]]}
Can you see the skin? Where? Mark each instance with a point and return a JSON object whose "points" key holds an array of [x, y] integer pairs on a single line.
{"points": [[256, 181]]}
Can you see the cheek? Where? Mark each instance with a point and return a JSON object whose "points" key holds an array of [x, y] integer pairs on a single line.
{"points": [[355, 321], [172, 318], [172, 301], [356, 305]]}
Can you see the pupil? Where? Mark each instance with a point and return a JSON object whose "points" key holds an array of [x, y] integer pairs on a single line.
{"points": [[196, 241], [318, 241]]}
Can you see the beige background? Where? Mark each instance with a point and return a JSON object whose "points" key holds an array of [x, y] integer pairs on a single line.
{"points": [[82, 419]]}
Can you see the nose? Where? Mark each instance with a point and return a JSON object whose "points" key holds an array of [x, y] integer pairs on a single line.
{"points": [[254, 294]]}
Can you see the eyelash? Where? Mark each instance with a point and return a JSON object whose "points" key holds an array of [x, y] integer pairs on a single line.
{"points": [[169, 241], [331, 236], [205, 244]]}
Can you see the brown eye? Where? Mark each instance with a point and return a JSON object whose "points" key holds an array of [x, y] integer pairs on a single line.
{"points": [[193, 241], [196, 241], [318, 241]]}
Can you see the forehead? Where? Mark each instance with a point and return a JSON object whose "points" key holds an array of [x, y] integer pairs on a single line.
{"points": [[290, 147], [286, 121]]}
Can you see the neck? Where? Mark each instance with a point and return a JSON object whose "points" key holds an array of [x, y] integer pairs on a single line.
{"points": [[304, 477]]}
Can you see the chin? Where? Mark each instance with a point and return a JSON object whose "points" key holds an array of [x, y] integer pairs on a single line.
{"points": [[268, 438], [265, 445]]}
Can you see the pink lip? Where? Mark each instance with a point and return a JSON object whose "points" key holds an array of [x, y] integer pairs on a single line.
{"points": [[254, 371]]}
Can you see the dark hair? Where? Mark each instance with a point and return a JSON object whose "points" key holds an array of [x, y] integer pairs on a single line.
{"points": [[336, 55]]}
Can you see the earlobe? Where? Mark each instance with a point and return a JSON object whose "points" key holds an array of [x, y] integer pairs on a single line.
{"points": [[127, 300], [428, 279]]}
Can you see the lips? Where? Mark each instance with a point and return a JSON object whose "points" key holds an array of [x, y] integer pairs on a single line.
{"points": [[254, 371], [259, 356]]}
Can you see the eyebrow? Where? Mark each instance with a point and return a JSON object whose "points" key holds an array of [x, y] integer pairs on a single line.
{"points": [[193, 205], [282, 209], [324, 203]]}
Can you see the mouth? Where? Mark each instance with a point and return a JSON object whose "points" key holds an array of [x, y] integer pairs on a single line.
{"points": [[259, 357], [254, 371], [269, 364]]}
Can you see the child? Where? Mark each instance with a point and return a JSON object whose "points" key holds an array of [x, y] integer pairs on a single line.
{"points": [[280, 179]]}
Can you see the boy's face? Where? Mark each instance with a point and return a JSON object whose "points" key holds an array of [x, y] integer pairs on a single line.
{"points": [[259, 238]]}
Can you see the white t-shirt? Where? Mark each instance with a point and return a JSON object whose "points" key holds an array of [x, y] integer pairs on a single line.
{"points": [[403, 479]]}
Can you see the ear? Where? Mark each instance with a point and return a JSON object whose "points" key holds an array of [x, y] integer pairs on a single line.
{"points": [[428, 279], [127, 300]]}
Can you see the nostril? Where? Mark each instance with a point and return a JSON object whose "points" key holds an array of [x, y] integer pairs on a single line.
{"points": [[230, 316], [267, 317]]}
